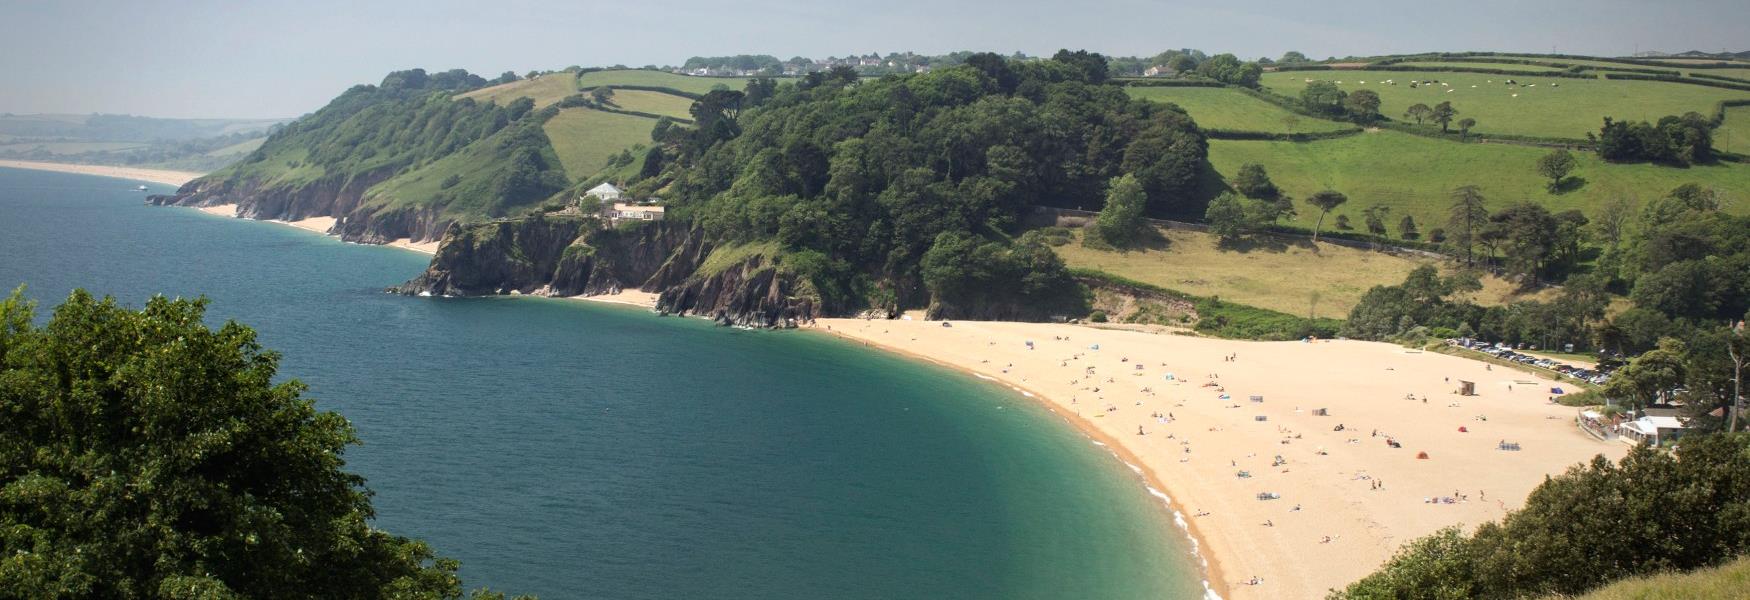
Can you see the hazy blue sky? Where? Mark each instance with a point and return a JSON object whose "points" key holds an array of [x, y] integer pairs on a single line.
{"points": [[260, 59]]}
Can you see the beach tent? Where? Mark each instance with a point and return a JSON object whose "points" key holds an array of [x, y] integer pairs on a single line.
{"points": [[1467, 388], [1557, 391], [1319, 412]]}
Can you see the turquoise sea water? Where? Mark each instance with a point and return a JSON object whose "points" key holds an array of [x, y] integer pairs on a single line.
{"points": [[575, 450]]}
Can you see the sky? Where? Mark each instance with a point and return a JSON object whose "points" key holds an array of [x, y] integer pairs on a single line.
{"points": [[258, 59]]}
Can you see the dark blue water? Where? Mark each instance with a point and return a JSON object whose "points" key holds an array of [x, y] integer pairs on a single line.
{"points": [[573, 450]]}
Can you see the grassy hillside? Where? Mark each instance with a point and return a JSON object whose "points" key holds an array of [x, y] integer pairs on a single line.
{"points": [[656, 103], [544, 90], [583, 138], [1413, 175], [1549, 107], [1726, 582], [1223, 108], [696, 85], [1280, 277]]}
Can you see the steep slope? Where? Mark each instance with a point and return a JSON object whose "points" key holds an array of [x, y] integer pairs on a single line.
{"points": [[402, 159]]}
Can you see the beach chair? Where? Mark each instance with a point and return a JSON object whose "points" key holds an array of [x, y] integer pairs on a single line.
{"points": [[1257, 398], [1269, 496], [1260, 418], [1509, 446]]}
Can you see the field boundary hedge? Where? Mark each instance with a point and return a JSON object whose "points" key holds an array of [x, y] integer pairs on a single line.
{"points": [[1272, 136], [1141, 82], [1730, 85]]}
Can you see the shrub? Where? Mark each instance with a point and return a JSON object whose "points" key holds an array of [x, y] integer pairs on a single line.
{"points": [[1098, 316]]}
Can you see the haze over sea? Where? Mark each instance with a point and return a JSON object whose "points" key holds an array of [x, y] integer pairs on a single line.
{"points": [[573, 450]]}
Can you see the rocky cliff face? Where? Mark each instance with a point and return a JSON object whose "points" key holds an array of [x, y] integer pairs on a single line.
{"points": [[338, 197], [570, 255]]}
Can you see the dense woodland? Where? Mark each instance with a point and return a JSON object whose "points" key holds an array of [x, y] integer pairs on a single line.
{"points": [[906, 191]]}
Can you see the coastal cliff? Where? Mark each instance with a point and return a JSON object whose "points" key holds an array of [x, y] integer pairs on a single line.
{"points": [[570, 255], [340, 197]]}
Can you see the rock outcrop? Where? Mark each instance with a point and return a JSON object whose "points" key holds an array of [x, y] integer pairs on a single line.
{"points": [[572, 255]]}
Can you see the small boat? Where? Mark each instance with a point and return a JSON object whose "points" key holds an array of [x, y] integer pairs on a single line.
{"points": [[141, 188]]}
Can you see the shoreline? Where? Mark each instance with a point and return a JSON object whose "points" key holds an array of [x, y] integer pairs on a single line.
{"points": [[1290, 552], [161, 176], [318, 225], [1214, 582]]}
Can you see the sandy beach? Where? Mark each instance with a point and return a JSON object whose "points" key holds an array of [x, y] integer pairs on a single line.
{"points": [[638, 298], [1180, 410], [322, 225], [135, 173]]}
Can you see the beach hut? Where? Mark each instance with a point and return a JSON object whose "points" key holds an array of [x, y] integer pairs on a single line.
{"points": [[1467, 388]]}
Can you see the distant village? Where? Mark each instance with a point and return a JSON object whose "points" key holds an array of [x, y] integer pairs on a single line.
{"points": [[875, 64]]}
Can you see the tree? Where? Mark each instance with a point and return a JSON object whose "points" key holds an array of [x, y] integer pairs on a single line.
{"points": [[1253, 182], [1292, 57], [1420, 112], [1092, 65], [148, 456], [1363, 106], [601, 94], [1464, 126], [1325, 200], [1182, 63], [1466, 218], [1226, 216], [1443, 114], [506, 77], [1120, 222], [1374, 217], [1343, 223], [653, 162], [1529, 235], [1556, 165], [1407, 228], [1323, 97]]}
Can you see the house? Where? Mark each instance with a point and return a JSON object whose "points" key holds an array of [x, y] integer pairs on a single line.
{"points": [[1651, 429], [1159, 71], [636, 212], [605, 192]]}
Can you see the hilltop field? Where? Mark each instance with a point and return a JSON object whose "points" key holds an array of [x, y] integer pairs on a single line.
{"points": [[1414, 174]]}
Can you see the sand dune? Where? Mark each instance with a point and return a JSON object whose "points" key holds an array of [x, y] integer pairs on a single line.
{"points": [[1348, 486]]}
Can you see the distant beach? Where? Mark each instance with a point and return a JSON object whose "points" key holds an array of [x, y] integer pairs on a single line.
{"points": [[322, 225], [1300, 505], [164, 176]]}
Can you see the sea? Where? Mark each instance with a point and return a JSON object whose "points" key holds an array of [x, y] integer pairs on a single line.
{"points": [[572, 449]]}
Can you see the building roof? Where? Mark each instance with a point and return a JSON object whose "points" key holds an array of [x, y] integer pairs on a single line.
{"points": [[1661, 422], [605, 188], [624, 207]]}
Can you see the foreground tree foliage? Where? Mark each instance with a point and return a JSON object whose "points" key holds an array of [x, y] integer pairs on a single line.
{"points": [[1652, 512], [144, 455]]}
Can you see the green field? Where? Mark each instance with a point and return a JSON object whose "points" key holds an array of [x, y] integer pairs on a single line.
{"points": [[1475, 65], [544, 90], [1281, 279], [1734, 134], [584, 138], [1414, 175], [1223, 108], [1550, 107], [656, 103], [696, 85]]}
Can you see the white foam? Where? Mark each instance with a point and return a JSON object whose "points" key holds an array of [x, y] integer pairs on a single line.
{"points": [[984, 377]]}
